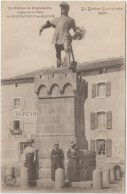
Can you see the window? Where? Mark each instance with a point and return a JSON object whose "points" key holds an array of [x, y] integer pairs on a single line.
{"points": [[16, 127], [16, 85], [16, 124], [103, 147], [16, 103], [101, 89], [100, 147], [101, 120]]}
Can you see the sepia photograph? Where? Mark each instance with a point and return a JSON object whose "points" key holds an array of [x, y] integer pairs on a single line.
{"points": [[63, 97]]}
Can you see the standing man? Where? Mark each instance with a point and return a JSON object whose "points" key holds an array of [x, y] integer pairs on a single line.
{"points": [[57, 160], [62, 38]]}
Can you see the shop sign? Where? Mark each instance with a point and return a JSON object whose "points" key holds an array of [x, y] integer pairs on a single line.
{"points": [[25, 114], [23, 135]]}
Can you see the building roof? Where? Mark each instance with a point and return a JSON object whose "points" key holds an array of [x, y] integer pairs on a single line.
{"points": [[81, 67]]}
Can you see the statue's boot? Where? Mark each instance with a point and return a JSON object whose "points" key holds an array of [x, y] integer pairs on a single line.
{"points": [[67, 59], [58, 62]]}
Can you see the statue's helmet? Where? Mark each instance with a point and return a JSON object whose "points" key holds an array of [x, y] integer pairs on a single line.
{"points": [[65, 5]]}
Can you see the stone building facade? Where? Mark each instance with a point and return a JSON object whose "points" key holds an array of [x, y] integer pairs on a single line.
{"points": [[18, 117], [105, 114]]}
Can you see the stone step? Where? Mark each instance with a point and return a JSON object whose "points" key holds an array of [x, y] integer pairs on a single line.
{"points": [[48, 183], [82, 184], [45, 183]]}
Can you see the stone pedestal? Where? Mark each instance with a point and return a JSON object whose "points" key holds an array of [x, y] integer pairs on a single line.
{"points": [[106, 177], [97, 179], [112, 174], [24, 178], [61, 96], [59, 178]]}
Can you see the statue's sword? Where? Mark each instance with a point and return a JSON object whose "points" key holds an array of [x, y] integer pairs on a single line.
{"points": [[71, 49]]}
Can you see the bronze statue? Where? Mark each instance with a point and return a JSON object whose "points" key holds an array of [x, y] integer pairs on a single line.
{"points": [[62, 38]]}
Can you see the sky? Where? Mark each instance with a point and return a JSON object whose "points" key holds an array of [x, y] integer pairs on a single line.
{"points": [[23, 50]]}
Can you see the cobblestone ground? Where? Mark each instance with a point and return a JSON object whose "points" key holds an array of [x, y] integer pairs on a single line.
{"points": [[117, 187]]}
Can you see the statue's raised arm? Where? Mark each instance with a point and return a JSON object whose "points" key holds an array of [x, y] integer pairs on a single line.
{"points": [[46, 25]]}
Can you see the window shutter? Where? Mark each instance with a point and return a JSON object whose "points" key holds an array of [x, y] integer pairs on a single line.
{"points": [[109, 147], [86, 87], [97, 146], [22, 103], [92, 121], [108, 89], [96, 121], [11, 104], [22, 125], [109, 120], [93, 90], [92, 144]]}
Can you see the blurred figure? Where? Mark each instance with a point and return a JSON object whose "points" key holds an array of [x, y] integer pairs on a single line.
{"points": [[72, 164], [57, 160], [29, 156], [102, 147]]}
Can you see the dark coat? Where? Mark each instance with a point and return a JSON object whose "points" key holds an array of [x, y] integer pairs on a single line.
{"points": [[57, 158], [72, 167]]}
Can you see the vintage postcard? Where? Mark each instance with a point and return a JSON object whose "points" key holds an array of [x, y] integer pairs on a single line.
{"points": [[63, 96]]}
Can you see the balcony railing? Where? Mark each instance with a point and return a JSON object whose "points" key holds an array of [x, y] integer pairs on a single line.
{"points": [[16, 131]]}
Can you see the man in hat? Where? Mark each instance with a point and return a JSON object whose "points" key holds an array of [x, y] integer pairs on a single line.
{"points": [[57, 160], [62, 38]]}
